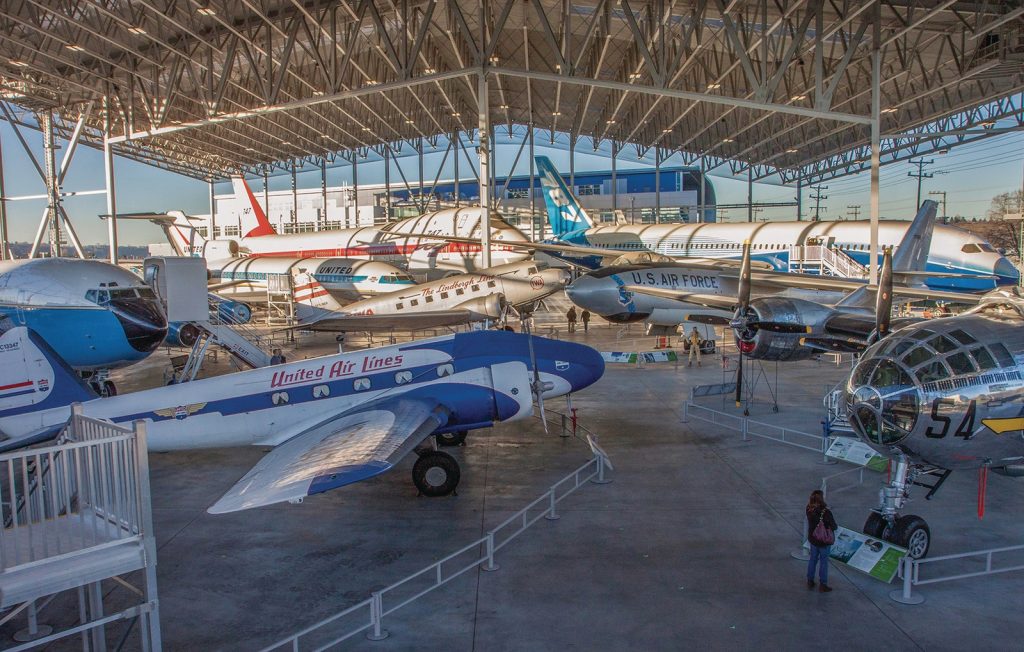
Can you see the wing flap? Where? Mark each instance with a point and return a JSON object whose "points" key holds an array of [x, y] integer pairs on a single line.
{"points": [[341, 450]]}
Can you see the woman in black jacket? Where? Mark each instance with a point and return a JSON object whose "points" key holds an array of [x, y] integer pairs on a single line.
{"points": [[818, 511]]}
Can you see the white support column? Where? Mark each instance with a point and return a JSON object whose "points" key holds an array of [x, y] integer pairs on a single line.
{"points": [[615, 179], [457, 145], [266, 192], [108, 174], [4, 244], [700, 193], [355, 191], [52, 185], [876, 144], [799, 197], [750, 193], [533, 194], [657, 185], [213, 213], [323, 192], [295, 195], [484, 154]]}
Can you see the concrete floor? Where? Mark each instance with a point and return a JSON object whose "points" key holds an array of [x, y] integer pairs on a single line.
{"points": [[689, 546]]}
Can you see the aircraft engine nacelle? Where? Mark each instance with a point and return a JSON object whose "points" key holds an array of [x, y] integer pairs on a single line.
{"points": [[489, 307], [762, 343], [220, 249], [182, 334]]}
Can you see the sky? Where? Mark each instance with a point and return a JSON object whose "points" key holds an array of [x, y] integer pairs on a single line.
{"points": [[970, 175]]}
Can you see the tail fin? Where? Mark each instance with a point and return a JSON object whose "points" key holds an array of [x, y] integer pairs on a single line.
{"points": [[181, 233], [912, 252], [312, 301], [33, 380], [564, 212], [254, 219]]}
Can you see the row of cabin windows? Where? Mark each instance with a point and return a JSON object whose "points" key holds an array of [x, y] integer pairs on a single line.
{"points": [[362, 384], [734, 246], [444, 295]]}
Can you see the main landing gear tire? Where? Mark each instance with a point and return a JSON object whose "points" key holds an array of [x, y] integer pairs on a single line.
{"points": [[457, 438], [875, 525], [911, 532], [436, 474]]}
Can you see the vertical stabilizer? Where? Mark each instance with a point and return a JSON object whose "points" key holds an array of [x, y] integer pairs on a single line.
{"points": [[912, 252], [312, 300], [564, 212], [254, 220]]}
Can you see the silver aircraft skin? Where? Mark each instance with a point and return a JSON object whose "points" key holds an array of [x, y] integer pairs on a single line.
{"points": [[947, 392], [937, 396]]}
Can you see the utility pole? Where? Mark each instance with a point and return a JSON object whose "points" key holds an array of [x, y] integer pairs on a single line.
{"points": [[943, 193], [853, 209], [817, 197], [920, 174]]}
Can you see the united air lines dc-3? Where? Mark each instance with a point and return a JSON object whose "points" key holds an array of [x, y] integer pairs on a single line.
{"points": [[333, 420]]}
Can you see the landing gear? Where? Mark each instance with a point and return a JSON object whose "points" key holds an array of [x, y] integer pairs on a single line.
{"points": [[457, 438], [436, 474], [100, 384], [909, 531], [109, 389]]}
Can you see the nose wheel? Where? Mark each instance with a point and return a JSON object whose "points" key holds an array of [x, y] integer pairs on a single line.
{"points": [[908, 531], [457, 438]]}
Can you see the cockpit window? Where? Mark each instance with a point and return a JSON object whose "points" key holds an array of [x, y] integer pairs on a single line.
{"points": [[896, 347], [917, 356], [962, 337], [922, 334], [1003, 356], [960, 363], [970, 248], [863, 372], [942, 344], [889, 374], [932, 371], [984, 358]]}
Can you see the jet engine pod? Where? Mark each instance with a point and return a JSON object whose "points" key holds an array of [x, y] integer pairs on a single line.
{"points": [[182, 334], [773, 326], [220, 249]]}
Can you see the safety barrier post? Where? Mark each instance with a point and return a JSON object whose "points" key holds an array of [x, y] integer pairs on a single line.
{"points": [[378, 633], [565, 429], [552, 515], [686, 412], [825, 443], [744, 429], [600, 479], [908, 569], [490, 565]]}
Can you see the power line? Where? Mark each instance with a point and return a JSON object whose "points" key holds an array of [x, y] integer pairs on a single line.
{"points": [[817, 197], [853, 209], [920, 174]]}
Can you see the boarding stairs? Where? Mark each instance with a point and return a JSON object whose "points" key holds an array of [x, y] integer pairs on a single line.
{"points": [[836, 419], [825, 261], [243, 342], [75, 514]]}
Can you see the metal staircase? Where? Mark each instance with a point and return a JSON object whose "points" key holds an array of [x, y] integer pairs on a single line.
{"points": [[242, 341], [827, 261], [836, 419]]}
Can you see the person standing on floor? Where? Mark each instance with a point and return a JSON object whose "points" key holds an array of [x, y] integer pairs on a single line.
{"points": [[585, 318], [821, 528], [570, 316], [694, 347], [278, 357]]}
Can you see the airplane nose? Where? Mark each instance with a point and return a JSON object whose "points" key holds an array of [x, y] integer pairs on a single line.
{"points": [[143, 321], [1006, 273], [578, 365]]}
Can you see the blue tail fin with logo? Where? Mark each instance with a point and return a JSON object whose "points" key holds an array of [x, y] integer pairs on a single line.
{"points": [[33, 381], [564, 212]]}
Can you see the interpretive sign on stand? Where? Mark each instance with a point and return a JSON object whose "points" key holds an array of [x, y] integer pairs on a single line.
{"points": [[857, 452], [629, 357], [879, 559]]}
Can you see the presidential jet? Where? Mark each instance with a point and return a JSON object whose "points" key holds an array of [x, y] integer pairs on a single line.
{"points": [[958, 260], [937, 396], [453, 300], [97, 316], [332, 421]]}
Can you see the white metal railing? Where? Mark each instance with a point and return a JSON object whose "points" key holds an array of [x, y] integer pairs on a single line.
{"points": [[837, 262], [910, 571], [750, 428], [93, 480], [369, 614], [828, 481]]}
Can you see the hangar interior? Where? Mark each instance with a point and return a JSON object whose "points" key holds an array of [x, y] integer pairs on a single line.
{"points": [[691, 541]]}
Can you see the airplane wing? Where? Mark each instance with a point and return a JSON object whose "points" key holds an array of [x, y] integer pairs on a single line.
{"points": [[710, 300], [340, 450], [408, 322]]}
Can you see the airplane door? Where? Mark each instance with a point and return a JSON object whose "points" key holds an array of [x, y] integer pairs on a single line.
{"points": [[511, 380]]}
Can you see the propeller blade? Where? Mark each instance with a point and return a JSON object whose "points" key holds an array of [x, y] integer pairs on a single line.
{"points": [[744, 281], [535, 386], [883, 297], [713, 320]]}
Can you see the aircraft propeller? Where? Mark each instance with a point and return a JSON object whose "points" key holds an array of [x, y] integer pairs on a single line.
{"points": [[537, 387], [883, 299]]}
